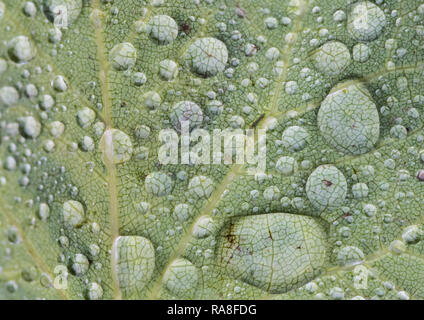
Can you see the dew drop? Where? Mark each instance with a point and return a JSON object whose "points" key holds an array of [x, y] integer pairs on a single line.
{"points": [[326, 188]]}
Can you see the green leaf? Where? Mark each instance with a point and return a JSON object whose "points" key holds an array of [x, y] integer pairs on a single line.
{"points": [[89, 209]]}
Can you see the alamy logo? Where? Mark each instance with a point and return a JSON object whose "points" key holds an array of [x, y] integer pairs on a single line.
{"points": [[360, 278], [198, 147], [61, 280]]}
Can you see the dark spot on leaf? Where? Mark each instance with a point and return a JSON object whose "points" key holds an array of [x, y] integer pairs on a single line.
{"points": [[327, 183]]}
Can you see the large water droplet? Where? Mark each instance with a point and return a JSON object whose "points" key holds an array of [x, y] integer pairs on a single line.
{"points": [[332, 58], [275, 252], [366, 21], [135, 261], [348, 119], [181, 278]]}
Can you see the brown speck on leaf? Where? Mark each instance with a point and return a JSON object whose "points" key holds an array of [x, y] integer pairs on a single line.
{"points": [[186, 28], [327, 183], [123, 104], [240, 12]]}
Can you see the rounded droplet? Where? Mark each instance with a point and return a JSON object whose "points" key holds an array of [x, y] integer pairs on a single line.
{"points": [[186, 111], [272, 193], [116, 146], [366, 21], [80, 264], [158, 184], [360, 190], [370, 210], [94, 291], [182, 212], [57, 128], [152, 99], [275, 252], [21, 49], [203, 227], [9, 96], [162, 28], [55, 35], [139, 78], [29, 273], [207, 56], [286, 165], [43, 211], [361, 52], [200, 187], [412, 234], [295, 138], [3, 65], [85, 117], [168, 69], [326, 188], [30, 127], [181, 278], [332, 58], [87, 144], [123, 56], [59, 84], [62, 13], [349, 256], [348, 119], [2, 9], [73, 213], [46, 102], [398, 131], [397, 246], [134, 258], [30, 9]]}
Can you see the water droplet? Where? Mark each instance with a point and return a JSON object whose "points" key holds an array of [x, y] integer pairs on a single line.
{"points": [[361, 52], [348, 119], [200, 187], [43, 211], [182, 212], [94, 291], [186, 111], [135, 261], [412, 234], [116, 146], [275, 252], [207, 56], [158, 184], [168, 69], [350, 256], [204, 227], [295, 138], [326, 188], [123, 56], [73, 213], [21, 49], [332, 58], [181, 278], [162, 28], [62, 13], [366, 21], [80, 264], [9, 96], [286, 165]]}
